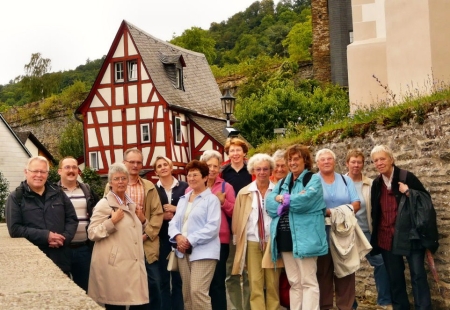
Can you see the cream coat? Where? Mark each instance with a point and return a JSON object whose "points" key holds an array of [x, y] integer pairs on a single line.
{"points": [[117, 275], [241, 213]]}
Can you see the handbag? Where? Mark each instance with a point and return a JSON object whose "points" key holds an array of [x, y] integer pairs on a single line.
{"points": [[172, 264]]}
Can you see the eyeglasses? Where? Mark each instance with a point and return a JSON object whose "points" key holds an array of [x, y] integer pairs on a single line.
{"points": [[262, 169], [70, 167], [117, 179], [132, 162], [194, 175], [37, 172]]}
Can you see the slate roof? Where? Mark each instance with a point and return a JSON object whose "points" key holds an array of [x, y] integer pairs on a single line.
{"points": [[14, 134], [24, 135], [200, 95]]}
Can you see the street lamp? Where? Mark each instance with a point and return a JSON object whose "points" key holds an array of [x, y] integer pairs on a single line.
{"points": [[228, 102]]}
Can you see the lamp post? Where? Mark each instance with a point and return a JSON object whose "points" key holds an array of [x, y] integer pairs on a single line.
{"points": [[228, 102]]}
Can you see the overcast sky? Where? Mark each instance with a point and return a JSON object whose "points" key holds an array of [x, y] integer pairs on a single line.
{"points": [[70, 32]]}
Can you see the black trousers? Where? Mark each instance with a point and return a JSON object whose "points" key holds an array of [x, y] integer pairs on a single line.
{"points": [[217, 290], [395, 267]]}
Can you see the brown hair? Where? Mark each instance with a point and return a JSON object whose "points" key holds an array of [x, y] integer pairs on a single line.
{"points": [[133, 150], [301, 150], [67, 157], [163, 158], [236, 141], [198, 165], [354, 153]]}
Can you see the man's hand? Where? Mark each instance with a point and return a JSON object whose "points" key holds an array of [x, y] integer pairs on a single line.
{"points": [[116, 216], [55, 240]]}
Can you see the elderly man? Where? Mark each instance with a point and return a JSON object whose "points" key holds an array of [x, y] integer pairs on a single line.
{"points": [[43, 214], [150, 212], [84, 201]]}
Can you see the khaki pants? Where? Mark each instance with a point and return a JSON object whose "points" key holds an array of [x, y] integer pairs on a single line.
{"points": [[239, 296], [301, 273], [196, 277], [260, 278]]}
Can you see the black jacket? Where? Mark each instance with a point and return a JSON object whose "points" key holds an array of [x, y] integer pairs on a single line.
{"points": [[32, 219], [401, 244]]}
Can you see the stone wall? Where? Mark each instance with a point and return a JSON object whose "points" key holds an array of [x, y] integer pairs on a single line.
{"points": [[321, 40], [424, 150]]}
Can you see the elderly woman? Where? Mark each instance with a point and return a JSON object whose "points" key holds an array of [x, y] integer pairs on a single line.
{"points": [[195, 230], [118, 254], [281, 169], [235, 172], [337, 190], [170, 190], [297, 230], [391, 230], [251, 231], [225, 192]]}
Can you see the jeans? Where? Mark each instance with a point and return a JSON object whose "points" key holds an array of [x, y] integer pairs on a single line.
{"points": [[154, 289], [217, 290], [381, 277], [81, 263], [171, 285], [395, 267]]}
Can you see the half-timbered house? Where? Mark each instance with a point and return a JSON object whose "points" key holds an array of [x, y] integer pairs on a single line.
{"points": [[155, 96]]}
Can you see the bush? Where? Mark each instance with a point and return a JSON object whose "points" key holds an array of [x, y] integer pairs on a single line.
{"points": [[96, 183]]}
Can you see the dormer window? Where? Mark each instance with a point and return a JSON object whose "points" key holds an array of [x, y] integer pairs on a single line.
{"points": [[132, 68], [118, 72], [179, 83]]}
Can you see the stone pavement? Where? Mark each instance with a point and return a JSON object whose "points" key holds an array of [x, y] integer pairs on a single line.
{"points": [[30, 280]]}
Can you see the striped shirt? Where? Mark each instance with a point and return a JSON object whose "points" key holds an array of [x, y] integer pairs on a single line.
{"points": [[78, 200], [136, 193]]}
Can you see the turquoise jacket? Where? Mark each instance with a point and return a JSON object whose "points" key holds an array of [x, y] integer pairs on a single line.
{"points": [[306, 216]]}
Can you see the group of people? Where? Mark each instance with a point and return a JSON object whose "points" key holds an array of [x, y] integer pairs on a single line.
{"points": [[234, 226]]}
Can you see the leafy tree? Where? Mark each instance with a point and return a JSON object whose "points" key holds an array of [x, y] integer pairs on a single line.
{"points": [[35, 71], [198, 40], [4, 192], [53, 175], [299, 40], [71, 140], [91, 177]]}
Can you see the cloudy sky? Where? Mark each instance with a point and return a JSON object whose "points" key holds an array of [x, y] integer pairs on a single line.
{"points": [[69, 33]]}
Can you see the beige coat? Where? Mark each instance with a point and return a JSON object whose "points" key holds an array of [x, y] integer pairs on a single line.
{"points": [[117, 275], [154, 215], [241, 213]]}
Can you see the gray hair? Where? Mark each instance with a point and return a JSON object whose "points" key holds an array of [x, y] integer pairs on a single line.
{"points": [[208, 154], [257, 158], [382, 148], [117, 168], [38, 158], [323, 151], [279, 154]]}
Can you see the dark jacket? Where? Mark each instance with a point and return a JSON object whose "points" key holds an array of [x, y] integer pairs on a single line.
{"points": [[401, 244], [177, 192], [32, 219]]}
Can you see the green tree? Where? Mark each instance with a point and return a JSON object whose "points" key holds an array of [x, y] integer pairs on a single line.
{"points": [[53, 176], [35, 71], [4, 192], [71, 140], [198, 40], [299, 40], [91, 177]]}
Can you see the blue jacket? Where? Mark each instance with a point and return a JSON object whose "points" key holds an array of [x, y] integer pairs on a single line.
{"points": [[203, 226], [306, 217]]}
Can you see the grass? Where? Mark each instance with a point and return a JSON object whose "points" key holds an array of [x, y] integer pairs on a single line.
{"points": [[413, 109]]}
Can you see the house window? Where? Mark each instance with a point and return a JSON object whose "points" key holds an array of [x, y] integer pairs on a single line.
{"points": [[178, 134], [350, 34], [132, 68], [118, 72], [179, 78], [93, 160], [145, 133]]}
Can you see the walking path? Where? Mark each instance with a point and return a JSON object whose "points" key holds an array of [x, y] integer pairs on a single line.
{"points": [[30, 280]]}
